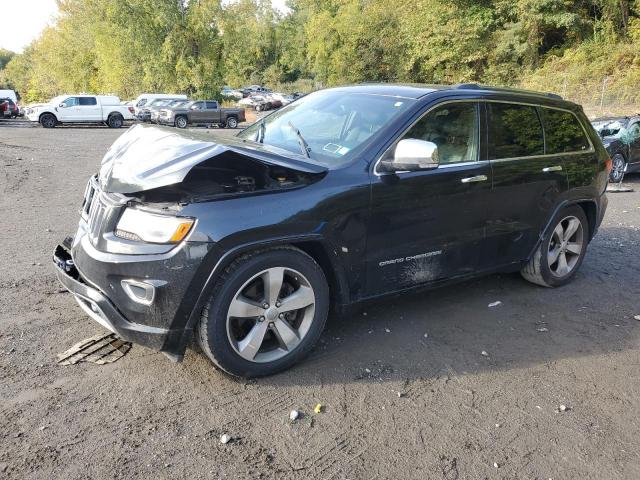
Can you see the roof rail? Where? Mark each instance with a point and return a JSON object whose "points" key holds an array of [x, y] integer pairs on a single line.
{"points": [[475, 86]]}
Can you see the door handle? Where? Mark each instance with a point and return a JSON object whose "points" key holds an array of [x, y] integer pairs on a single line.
{"points": [[555, 168], [477, 178]]}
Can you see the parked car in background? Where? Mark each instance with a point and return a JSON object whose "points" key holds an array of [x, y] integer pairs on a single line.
{"points": [[264, 103], [157, 111], [348, 195], [9, 94], [144, 113], [621, 137], [8, 108], [228, 92], [145, 98], [105, 109], [199, 112]]}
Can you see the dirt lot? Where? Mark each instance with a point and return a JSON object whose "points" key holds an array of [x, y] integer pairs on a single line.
{"points": [[406, 389]]}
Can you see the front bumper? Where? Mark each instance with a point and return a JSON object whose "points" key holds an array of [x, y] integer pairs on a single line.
{"points": [[100, 308]]}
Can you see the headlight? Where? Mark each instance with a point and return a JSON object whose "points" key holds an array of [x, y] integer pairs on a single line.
{"points": [[139, 225]]}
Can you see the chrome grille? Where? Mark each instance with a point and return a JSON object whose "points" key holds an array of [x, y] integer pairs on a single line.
{"points": [[99, 212]]}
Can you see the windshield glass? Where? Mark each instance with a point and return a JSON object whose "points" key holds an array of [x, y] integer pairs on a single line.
{"points": [[608, 128], [328, 124]]}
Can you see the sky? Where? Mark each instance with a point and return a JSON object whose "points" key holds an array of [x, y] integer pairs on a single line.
{"points": [[23, 20]]}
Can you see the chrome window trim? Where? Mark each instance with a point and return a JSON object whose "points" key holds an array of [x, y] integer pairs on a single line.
{"points": [[499, 160]]}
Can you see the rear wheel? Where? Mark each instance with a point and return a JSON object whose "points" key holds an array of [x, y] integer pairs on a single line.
{"points": [[232, 122], [561, 251], [618, 166], [267, 311], [115, 120], [48, 120], [181, 122]]}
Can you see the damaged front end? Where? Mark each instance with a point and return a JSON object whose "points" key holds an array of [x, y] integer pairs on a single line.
{"points": [[139, 244]]}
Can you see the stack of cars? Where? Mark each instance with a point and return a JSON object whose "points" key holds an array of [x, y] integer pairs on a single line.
{"points": [[621, 138]]}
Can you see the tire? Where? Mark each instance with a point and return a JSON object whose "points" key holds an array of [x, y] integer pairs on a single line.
{"points": [[282, 339], [48, 120], [232, 122], [619, 164], [541, 268], [115, 121], [181, 122]]}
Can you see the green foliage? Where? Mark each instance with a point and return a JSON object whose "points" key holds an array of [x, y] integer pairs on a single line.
{"points": [[126, 47]]}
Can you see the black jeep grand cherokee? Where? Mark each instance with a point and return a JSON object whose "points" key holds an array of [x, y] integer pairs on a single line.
{"points": [[344, 195]]}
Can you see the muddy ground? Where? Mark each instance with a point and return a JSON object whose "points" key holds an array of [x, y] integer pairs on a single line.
{"points": [[406, 390]]}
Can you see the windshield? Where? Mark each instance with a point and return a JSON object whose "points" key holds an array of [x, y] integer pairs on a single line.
{"points": [[611, 128], [329, 124]]}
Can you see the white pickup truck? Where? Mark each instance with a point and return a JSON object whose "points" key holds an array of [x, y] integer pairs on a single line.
{"points": [[104, 109]]}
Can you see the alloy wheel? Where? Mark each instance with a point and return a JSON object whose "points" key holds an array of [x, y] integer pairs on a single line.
{"points": [[270, 314], [565, 246], [617, 169]]}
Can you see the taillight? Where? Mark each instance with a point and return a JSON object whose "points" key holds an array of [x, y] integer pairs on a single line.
{"points": [[608, 164], [131, 110]]}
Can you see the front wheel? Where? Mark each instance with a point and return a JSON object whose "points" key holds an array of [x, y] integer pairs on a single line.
{"points": [[618, 166], [267, 311], [48, 120], [561, 251], [232, 122], [181, 122]]}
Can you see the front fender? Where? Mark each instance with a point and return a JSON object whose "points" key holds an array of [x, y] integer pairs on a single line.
{"points": [[215, 263]]}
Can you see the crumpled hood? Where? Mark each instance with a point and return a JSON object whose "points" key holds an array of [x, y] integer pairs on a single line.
{"points": [[147, 157]]}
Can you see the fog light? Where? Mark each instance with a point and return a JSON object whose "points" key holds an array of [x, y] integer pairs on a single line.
{"points": [[141, 292]]}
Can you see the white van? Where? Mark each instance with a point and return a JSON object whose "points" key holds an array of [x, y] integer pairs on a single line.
{"points": [[9, 94], [145, 98]]}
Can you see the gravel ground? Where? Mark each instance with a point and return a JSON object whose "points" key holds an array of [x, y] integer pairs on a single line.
{"points": [[407, 392]]}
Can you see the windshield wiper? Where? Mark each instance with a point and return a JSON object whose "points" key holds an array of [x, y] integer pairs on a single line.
{"points": [[303, 144], [263, 131]]}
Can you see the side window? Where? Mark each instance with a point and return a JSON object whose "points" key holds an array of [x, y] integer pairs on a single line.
{"points": [[563, 132], [141, 103], [197, 106], [453, 127], [212, 105], [87, 101], [634, 132], [514, 131], [71, 102]]}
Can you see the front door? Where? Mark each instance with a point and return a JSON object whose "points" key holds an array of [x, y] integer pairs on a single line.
{"points": [[197, 112], [67, 111], [429, 225]]}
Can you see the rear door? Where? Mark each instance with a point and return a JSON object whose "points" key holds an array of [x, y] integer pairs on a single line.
{"points": [[429, 225], [527, 183], [212, 112], [89, 110]]}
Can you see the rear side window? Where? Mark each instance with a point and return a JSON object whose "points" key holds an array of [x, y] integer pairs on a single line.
{"points": [[514, 131], [563, 132], [212, 105], [84, 101]]}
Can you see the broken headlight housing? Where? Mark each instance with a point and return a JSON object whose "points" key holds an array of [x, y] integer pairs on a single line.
{"points": [[141, 226]]}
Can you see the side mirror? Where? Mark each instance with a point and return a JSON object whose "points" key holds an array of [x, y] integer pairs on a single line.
{"points": [[411, 155], [62, 105]]}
